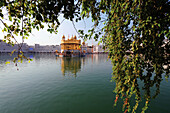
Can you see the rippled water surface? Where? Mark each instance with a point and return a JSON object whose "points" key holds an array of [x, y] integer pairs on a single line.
{"points": [[64, 85]]}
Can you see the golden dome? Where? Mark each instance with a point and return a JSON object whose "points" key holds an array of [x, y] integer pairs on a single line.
{"points": [[63, 37], [83, 43], [75, 37]]}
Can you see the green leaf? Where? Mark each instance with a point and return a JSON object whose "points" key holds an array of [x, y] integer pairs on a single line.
{"points": [[8, 35], [37, 28], [10, 18], [5, 29], [159, 25], [7, 62], [13, 51]]}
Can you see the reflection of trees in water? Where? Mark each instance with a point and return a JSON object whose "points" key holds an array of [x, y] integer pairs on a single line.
{"points": [[70, 66]]}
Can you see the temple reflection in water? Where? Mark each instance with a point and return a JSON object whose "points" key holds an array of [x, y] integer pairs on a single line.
{"points": [[70, 66]]}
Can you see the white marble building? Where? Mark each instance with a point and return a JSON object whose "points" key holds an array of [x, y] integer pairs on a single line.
{"points": [[84, 47], [98, 49], [4, 47], [47, 48]]}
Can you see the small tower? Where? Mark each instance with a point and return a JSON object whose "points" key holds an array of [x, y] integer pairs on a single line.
{"points": [[83, 43], [63, 37], [72, 38], [75, 37]]}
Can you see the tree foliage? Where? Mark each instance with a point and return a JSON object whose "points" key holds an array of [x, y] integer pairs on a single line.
{"points": [[138, 26], [25, 15]]}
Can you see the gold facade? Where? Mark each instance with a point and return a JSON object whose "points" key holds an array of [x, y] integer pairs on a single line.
{"points": [[70, 44], [70, 66]]}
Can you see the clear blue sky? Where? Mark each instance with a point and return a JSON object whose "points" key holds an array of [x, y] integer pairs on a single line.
{"points": [[43, 37]]}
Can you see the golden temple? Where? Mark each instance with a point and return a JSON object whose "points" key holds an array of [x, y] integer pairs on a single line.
{"points": [[70, 45]]}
